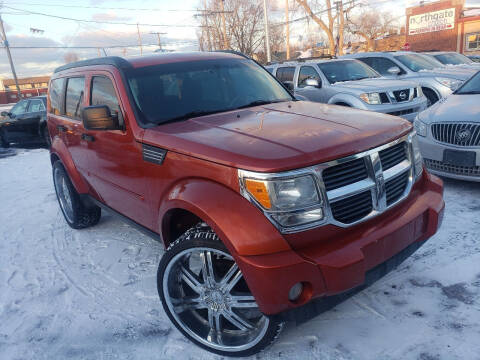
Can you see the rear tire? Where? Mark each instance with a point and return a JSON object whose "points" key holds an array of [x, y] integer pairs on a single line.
{"points": [[206, 297], [77, 215], [431, 96]]}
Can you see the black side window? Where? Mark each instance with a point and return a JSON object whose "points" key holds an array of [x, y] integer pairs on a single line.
{"points": [[74, 97], [381, 65], [36, 106], [285, 73], [103, 93], [307, 72], [56, 96]]}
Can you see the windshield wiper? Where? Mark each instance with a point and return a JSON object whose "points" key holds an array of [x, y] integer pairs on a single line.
{"points": [[259, 102], [189, 115]]}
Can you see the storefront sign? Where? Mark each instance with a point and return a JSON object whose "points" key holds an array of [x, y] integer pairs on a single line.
{"points": [[431, 21]]}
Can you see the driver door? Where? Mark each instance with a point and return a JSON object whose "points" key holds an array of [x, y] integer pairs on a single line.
{"points": [[310, 92], [16, 128]]}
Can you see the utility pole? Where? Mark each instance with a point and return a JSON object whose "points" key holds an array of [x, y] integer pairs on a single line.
{"points": [[158, 36], [139, 40], [338, 4], [287, 30], [226, 46], [7, 48], [267, 37]]}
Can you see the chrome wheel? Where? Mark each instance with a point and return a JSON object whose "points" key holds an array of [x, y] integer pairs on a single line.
{"points": [[206, 294], [63, 193]]}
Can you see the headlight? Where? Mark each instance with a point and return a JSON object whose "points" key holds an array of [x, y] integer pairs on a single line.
{"points": [[453, 84], [419, 91], [371, 98], [420, 127], [417, 156], [288, 201]]}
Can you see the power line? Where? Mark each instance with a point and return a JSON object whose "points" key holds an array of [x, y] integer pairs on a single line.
{"points": [[95, 21], [104, 8]]}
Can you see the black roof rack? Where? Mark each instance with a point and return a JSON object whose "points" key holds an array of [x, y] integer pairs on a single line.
{"points": [[116, 61]]}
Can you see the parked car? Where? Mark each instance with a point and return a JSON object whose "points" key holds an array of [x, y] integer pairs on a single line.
{"points": [[449, 133], [474, 58], [437, 83], [264, 203], [351, 83], [451, 58], [25, 122]]}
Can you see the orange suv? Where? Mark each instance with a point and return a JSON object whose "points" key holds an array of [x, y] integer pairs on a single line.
{"points": [[270, 209]]}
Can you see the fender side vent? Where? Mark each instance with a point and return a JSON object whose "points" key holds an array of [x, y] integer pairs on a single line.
{"points": [[153, 154]]}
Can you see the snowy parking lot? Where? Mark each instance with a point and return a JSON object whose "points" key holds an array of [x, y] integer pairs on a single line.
{"points": [[91, 294]]}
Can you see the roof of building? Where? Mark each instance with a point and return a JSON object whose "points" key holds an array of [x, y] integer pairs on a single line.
{"points": [[29, 80]]}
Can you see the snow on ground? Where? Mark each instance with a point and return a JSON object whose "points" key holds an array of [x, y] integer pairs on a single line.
{"points": [[91, 294]]}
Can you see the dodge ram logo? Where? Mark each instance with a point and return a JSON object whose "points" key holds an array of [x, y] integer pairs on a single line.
{"points": [[402, 95], [463, 135], [379, 188]]}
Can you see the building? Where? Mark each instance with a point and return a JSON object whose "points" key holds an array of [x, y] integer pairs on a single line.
{"points": [[32, 86], [445, 25]]}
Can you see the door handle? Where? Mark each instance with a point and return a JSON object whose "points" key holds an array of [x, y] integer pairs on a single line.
{"points": [[61, 128], [87, 137]]}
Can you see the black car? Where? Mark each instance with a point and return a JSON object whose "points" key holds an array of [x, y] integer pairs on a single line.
{"points": [[25, 123]]}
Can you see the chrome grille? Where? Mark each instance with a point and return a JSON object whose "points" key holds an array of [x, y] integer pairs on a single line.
{"points": [[402, 95], [461, 134], [452, 169], [393, 155], [395, 188], [344, 174], [353, 208]]}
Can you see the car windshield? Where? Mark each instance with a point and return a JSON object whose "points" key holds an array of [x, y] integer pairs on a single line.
{"points": [[182, 90], [349, 70], [415, 62], [472, 86], [453, 59], [431, 59]]}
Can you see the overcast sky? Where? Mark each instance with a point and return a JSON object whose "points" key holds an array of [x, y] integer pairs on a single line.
{"points": [[178, 15]]}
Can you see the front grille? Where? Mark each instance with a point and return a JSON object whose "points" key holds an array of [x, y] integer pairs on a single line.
{"points": [[396, 187], [393, 155], [384, 98], [353, 208], [457, 134], [452, 169], [344, 174], [402, 95], [402, 112]]}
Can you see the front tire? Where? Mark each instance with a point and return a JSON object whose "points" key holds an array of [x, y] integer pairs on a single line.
{"points": [[206, 297], [77, 215]]}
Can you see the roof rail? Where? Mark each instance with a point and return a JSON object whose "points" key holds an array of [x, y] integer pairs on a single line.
{"points": [[233, 52], [116, 61], [324, 57]]}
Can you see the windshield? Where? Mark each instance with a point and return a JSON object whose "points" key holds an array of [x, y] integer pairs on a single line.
{"points": [[350, 70], [431, 59], [472, 86], [453, 59], [415, 62], [177, 91]]}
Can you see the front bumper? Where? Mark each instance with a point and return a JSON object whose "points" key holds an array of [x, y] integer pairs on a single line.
{"points": [[432, 151], [329, 260]]}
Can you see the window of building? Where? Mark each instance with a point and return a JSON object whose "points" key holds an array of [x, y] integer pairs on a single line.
{"points": [[103, 93], [56, 96], [74, 97], [307, 72], [473, 41]]}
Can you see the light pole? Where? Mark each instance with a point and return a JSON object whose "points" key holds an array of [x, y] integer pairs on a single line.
{"points": [[267, 37]]}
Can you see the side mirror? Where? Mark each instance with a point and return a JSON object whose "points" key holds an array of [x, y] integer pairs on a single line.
{"points": [[289, 85], [312, 82], [99, 117], [394, 70]]}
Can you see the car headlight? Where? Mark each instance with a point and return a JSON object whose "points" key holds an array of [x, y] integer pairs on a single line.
{"points": [[417, 156], [420, 127], [419, 91], [289, 201], [371, 98], [453, 84]]}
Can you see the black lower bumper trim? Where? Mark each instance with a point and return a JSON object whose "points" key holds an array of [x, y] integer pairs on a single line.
{"points": [[320, 305]]}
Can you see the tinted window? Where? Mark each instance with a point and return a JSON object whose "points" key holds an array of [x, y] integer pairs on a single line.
{"points": [[182, 90], [307, 72], [103, 93], [36, 106], [472, 86], [20, 107], [349, 70], [74, 97], [381, 65], [453, 59], [415, 62], [56, 96], [285, 73]]}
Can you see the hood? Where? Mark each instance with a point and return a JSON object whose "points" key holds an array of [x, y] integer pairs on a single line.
{"points": [[375, 85], [458, 73], [455, 108], [277, 137]]}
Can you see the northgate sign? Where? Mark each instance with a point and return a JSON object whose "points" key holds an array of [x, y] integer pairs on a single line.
{"points": [[432, 21]]}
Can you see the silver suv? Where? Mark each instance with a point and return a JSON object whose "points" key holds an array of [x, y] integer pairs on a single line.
{"points": [[451, 58], [351, 83], [436, 82]]}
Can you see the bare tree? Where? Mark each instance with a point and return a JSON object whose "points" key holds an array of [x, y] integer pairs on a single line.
{"points": [[370, 25], [319, 9]]}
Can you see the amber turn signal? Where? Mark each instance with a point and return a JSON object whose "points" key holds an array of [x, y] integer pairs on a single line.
{"points": [[259, 191]]}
